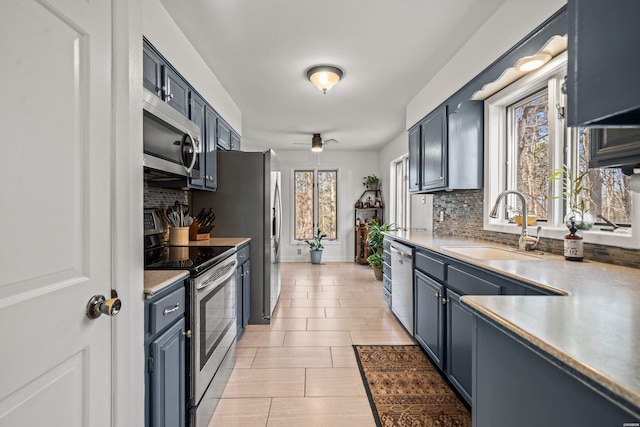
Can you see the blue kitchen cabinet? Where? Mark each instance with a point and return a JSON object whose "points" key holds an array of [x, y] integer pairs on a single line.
{"points": [[235, 141], [197, 107], [459, 335], [223, 135], [160, 78], [152, 69], [517, 384], [414, 159], [434, 150], [210, 148], [165, 351], [176, 91], [603, 88], [243, 281], [429, 322]]}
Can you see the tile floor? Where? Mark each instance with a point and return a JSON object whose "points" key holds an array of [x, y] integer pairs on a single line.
{"points": [[301, 370]]}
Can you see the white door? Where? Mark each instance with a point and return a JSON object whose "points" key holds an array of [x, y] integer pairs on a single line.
{"points": [[55, 202]]}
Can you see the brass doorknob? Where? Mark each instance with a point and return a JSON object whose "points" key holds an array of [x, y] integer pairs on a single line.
{"points": [[99, 305]]}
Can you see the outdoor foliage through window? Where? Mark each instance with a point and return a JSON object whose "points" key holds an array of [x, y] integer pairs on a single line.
{"points": [[529, 149], [607, 191], [315, 206]]}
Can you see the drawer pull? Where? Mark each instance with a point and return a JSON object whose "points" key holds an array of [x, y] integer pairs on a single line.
{"points": [[171, 310]]}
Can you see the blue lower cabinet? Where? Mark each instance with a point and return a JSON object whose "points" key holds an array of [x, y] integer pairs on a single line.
{"points": [[429, 326], [167, 382], [459, 341], [165, 350]]}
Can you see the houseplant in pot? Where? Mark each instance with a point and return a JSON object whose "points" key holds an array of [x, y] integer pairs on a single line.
{"points": [[315, 246], [375, 242], [370, 182], [574, 191]]}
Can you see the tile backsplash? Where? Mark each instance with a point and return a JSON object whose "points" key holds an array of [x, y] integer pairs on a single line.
{"points": [[160, 198], [463, 216]]}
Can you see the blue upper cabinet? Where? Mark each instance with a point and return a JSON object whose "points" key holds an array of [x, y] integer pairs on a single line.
{"points": [[211, 159], [235, 141], [224, 136], [434, 150], [603, 88], [176, 91], [152, 70], [197, 116]]}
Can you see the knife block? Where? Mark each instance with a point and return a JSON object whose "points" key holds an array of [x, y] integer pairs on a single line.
{"points": [[194, 234]]}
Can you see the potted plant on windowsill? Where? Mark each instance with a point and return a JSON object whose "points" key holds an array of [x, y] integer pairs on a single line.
{"points": [[315, 247], [572, 191], [371, 182], [375, 242]]}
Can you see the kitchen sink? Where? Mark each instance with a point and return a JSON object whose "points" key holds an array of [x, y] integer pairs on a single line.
{"points": [[491, 253]]}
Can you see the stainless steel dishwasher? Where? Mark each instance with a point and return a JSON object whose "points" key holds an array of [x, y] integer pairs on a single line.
{"points": [[402, 284]]}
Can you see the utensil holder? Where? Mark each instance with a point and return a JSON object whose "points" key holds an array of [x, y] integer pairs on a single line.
{"points": [[179, 236]]}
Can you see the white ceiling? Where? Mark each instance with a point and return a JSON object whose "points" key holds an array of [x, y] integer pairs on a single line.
{"points": [[388, 49]]}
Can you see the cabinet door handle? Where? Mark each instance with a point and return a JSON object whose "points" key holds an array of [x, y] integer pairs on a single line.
{"points": [[171, 310], [444, 301], [187, 333], [436, 295]]}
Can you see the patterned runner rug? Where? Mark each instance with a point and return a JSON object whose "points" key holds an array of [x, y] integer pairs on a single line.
{"points": [[406, 389]]}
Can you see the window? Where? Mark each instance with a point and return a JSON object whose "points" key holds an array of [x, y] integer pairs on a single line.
{"points": [[315, 203], [399, 203], [527, 139], [528, 151]]}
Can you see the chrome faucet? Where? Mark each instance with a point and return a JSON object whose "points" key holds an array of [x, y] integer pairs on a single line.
{"points": [[526, 242]]}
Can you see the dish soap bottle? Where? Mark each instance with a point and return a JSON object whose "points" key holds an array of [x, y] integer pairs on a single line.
{"points": [[573, 244]]}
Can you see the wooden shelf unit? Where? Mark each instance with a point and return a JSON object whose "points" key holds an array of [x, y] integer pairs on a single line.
{"points": [[365, 214]]}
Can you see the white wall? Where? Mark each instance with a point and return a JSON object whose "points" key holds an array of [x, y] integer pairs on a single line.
{"points": [[510, 24], [352, 166], [160, 29]]}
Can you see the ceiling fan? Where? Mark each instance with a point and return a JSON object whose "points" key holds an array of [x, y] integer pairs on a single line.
{"points": [[317, 143]]}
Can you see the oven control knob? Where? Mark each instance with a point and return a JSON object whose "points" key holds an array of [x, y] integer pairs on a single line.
{"points": [[99, 305]]}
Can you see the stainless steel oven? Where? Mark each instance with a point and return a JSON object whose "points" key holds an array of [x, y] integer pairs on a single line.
{"points": [[213, 326]]}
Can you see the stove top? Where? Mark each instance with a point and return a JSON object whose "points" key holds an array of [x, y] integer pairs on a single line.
{"points": [[196, 259]]}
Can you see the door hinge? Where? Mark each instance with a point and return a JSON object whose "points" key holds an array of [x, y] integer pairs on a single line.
{"points": [[150, 364]]}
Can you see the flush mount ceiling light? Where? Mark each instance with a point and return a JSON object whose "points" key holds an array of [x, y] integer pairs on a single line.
{"points": [[316, 143], [324, 77], [533, 62]]}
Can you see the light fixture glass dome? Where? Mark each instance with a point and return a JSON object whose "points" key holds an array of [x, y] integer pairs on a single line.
{"points": [[533, 62], [316, 143], [324, 77]]}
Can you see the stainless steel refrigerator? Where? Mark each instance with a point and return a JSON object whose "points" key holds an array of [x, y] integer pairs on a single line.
{"points": [[247, 203]]}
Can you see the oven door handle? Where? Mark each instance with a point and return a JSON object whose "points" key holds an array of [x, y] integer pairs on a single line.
{"points": [[221, 273]]}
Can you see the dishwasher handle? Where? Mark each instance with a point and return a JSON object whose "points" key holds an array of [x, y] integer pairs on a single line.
{"points": [[402, 253]]}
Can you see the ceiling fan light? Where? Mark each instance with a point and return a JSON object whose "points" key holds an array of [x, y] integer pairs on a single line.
{"points": [[316, 143], [324, 77]]}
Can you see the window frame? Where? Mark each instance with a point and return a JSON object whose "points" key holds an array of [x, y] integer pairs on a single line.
{"points": [[495, 163], [315, 170]]}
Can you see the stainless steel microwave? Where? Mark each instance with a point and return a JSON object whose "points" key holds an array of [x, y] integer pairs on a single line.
{"points": [[171, 142]]}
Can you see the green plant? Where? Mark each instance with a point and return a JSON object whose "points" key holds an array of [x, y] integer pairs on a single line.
{"points": [[375, 260], [572, 188], [376, 240], [316, 243], [370, 180]]}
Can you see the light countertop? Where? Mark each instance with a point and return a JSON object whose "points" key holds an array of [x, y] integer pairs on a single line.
{"points": [[156, 280], [593, 331]]}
